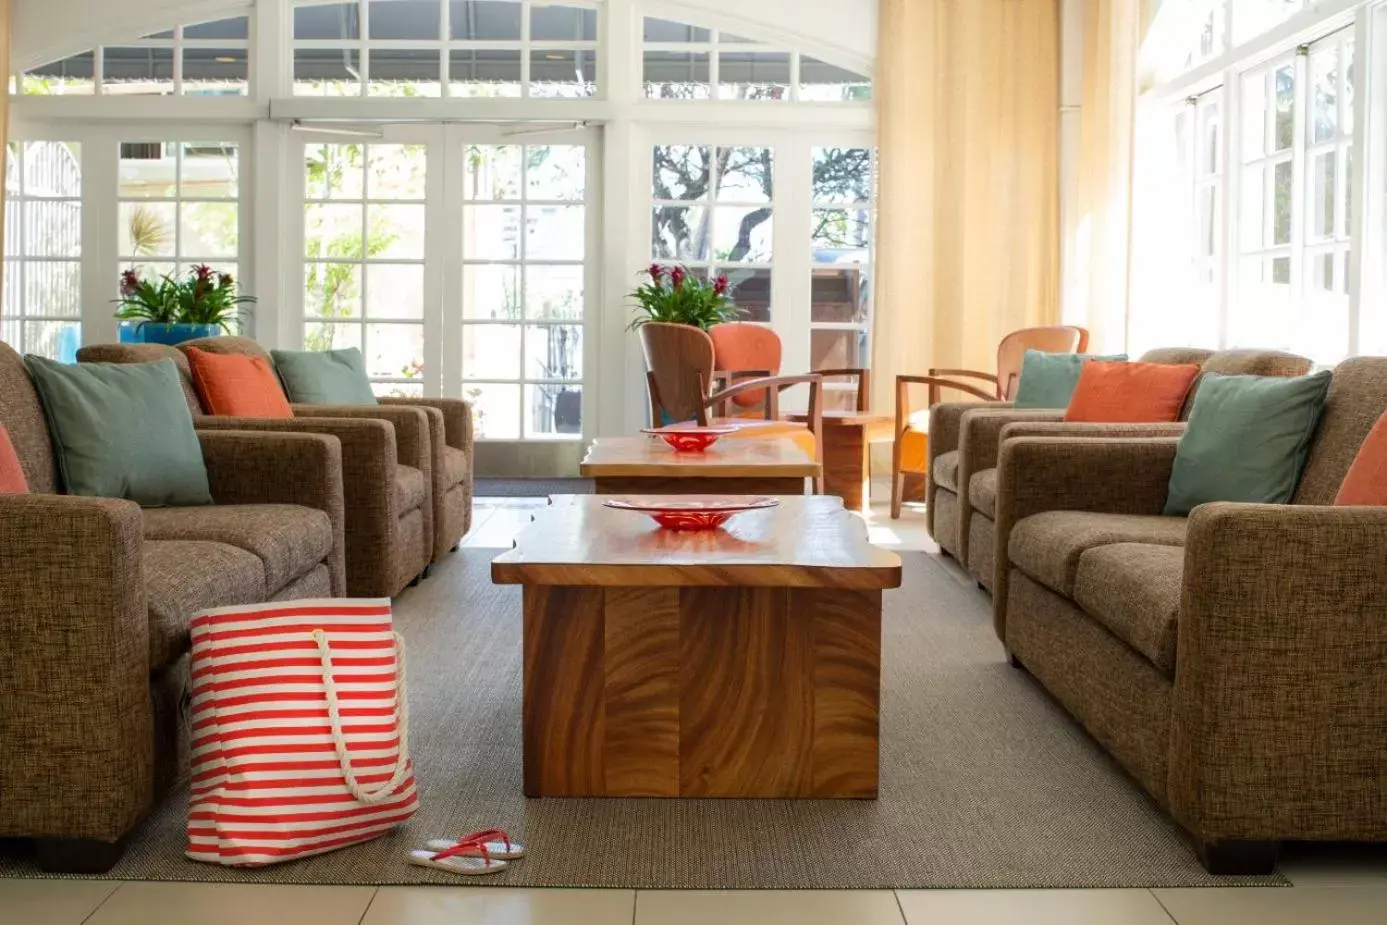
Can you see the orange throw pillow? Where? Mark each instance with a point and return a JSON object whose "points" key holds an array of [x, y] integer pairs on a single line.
{"points": [[1366, 482], [234, 385], [12, 480], [1130, 393]]}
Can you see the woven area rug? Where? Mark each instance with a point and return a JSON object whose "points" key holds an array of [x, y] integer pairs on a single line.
{"points": [[986, 782]]}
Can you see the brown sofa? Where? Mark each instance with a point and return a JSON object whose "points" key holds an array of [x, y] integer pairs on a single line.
{"points": [[1235, 661], [389, 513], [450, 440], [95, 599]]}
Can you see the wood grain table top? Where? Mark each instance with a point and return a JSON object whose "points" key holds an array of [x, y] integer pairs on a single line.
{"points": [[731, 457], [846, 418], [806, 542]]}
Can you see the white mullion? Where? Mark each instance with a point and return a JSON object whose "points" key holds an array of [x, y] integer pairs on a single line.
{"points": [[1301, 106], [524, 95], [177, 46]]}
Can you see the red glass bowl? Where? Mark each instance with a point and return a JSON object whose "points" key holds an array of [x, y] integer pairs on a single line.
{"points": [[689, 438], [706, 512]]}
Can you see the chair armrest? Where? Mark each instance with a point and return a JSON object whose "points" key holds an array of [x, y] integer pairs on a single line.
{"points": [[245, 467], [1086, 430], [936, 383], [411, 428], [772, 386], [981, 428], [77, 730], [965, 373], [457, 417], [1281, 674]]}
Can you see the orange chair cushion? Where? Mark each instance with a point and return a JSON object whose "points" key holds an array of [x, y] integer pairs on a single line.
{"points": [[1366, 482], [237, 385], [759, 429], [1135, 393], [915, 443], [12, 480]]}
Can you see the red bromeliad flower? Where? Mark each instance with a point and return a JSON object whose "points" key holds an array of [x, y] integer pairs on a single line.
{"points": [[677, 276], [226, 281], [204, 272], [656, 272], [129, 282], [720, 285]]}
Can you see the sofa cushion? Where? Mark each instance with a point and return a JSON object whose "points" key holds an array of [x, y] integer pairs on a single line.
{"points": [[1135, 393], [982, 492], [409, 489], [12, 480], [455, 466], [324, 377], [1134, 590], [289, 540], [1048, 379], [1365, 484], [1048, 546], [236, 385], [945, 470], [1357, 398], [183, 577]]}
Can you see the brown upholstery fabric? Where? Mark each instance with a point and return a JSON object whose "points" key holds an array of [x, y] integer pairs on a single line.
{"points": [[456, 467], [946, 505], [289, 541], [146, 353], [185, 576], [1119, 696], [1357, 397], [1176, 356], [317, 583], [945, 419], [982, 492], [1134, 590], [982, 548], [452, 466], [246, 346], [21, 414], [944, 471], [410, 490], [1257, 363], [168, 687], [1048, 546]]}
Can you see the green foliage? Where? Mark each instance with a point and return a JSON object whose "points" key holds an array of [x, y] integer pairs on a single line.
{"points": [[149, 233], [675, 297], [204, 296]]}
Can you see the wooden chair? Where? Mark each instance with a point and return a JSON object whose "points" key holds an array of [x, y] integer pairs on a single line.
{"points": [[680, 376], [910, 454], [742, 350]]}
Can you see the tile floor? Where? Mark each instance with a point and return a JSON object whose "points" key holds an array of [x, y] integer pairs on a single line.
{"points": [[1331, 886]]}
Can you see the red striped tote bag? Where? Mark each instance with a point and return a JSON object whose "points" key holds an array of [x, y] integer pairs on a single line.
{"points": [[300, 730]]}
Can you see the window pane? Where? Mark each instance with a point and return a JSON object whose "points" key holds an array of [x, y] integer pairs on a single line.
{"points": [[398, 389], [491, 292], [554, 292], [491, 233], [827, 83], [554, 351], [1210, 140], [555, 232], [327, 72], [680, 233], [51, 229], [410, 73], [237, 28], [840, 235], [1251, 223], [484, 74], [662, 30], [681, 173], [328, 21], [838, 350], [554, 411], [75, 76], [137, 71], [563, 74], [332, 290], [209, 170], [840, 295], [491, 351], [147, 229], [556, 171], [678, 75], [493, 171], [1324, 89], [1253, 17], [563, 23], [744, 174], [753, 75], [751, 291], [1321, 196], [56, 340], [397, 172], [216, 71], [1254, 115], [1208, 221], [332, 336], [52, 288], [403, 19], [1281, 228], [495, 410], [742, 235], [333, 231], [1285, 107], [395, 291], [394, 351], [334, 171], [395, 232], [210, 230], [842, 175], [484, 20], [147, 171]]}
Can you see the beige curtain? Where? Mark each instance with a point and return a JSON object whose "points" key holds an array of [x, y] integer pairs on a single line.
{"points": [[969, 231], [5, 19], [1098, 220]]}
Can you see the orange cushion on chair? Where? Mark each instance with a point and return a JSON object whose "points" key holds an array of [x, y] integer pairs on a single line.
{"points": [[1366, 482], [1130, 393], [12, 480], [760, 429], [237, 385]]}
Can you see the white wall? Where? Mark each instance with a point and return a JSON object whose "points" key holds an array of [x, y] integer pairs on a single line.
{"points": [[45, 30]]}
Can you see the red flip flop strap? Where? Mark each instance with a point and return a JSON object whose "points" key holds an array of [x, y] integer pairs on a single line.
{"points": [[466, 847], [489, 835]]}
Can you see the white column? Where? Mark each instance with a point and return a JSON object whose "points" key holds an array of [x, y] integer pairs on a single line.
{"points": [[100, 250]]}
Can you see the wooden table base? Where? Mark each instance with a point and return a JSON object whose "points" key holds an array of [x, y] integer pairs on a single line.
{"points": [[701, 692], [697, 485]]}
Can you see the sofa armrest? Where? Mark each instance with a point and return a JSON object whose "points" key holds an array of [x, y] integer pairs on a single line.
{"points": [[1089, 430], [457, 418], [411, 425], [1105, 475], [245, 467], [77, 728], [1280, 706]]}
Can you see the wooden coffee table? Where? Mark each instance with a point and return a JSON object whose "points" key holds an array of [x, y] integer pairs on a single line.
{"points": [[847, 450], [743, 662], [733, 465]]}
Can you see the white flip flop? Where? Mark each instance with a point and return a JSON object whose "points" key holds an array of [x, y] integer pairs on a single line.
{"points": [[497, 842], [468, 864]]}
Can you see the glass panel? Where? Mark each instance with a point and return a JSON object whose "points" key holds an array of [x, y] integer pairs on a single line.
{"points": [[216, 71], [395, 291], [53, 229], [1285, 107], [1322, 271], [744, 174], [334, 171], [1253, 17], [147, 229], [556, 172], [1321, 197], [1281, 270], [678, 75], [323, 336], [680, 233], [491, 292], [681, 173], [333, 231], [397, 171], [396, 231], [210, 230], [842, 175], [484, 20], [410, 73], [1347, 230], [554, 351], [662, 30], [495, 410], [493, 171], [491, 233], [75, 76], [1208, 220], [563, 74], [1252, 222], [237, 28], [210, 171], [1350, 81], [328, 21], [840, 235], [1210, 139], [838, 350], [147, 171], [398, 389], [1324, 88], [554, 411], [332, 290], [403, 19], [554, 292], [491, 351], [1345, 262], [481, 74], [555, 232], [53, 288], [394, 351], [821, 82], [56, 340], [742, 235], [137, 71], [1254, 116], [751, 291], [1281, 227], [839, 295], [563, 24], [327, 72], [753, 75]]}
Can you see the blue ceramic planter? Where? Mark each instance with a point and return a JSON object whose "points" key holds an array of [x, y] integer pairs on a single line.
{"points": [[136, 332]]}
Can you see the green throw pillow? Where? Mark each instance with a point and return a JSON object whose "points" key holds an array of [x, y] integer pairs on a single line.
{"points": [[123, 431], [1048, 379], [1247, 440], [324, 377]]}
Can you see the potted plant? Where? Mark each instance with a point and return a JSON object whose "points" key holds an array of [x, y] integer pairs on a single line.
{"points": [[675, 296], [169, 310]]}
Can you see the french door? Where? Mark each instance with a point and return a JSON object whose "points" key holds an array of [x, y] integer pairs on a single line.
{"points": [[459, 260]]}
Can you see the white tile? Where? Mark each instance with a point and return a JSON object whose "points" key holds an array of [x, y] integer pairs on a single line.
{"points": [[1031, 907], [233, 904], [767, 907], [500, 528], [51, 902], [1277, 906], [1335, 865], [425, 905]]}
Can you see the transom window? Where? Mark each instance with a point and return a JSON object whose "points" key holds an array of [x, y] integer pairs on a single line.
{"points": [[43, 249]]}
